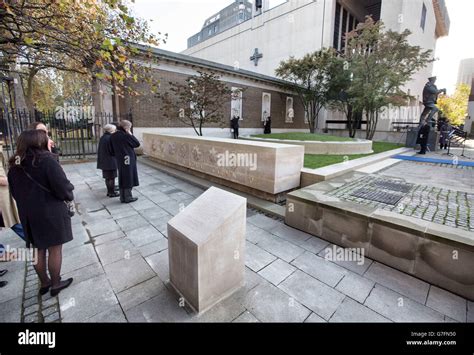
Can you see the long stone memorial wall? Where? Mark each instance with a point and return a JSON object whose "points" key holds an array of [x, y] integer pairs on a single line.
{"points": [[262, 169]]}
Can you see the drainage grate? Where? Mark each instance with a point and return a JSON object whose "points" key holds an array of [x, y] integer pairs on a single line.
{"points": [[393, 185], [385, 197]]}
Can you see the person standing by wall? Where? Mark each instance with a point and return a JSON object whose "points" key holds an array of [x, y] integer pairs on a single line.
{"points": [[267, 126], [234, 124], [40, 188], [106, 161], [123, 144]]}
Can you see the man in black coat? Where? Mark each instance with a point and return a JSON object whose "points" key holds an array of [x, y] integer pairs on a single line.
{"points": [[430, 99], [234, 124], [423, 135], [106, 161], [123, 144]]}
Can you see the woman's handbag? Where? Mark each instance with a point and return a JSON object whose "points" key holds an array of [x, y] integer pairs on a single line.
{"points": [[71, 208]]}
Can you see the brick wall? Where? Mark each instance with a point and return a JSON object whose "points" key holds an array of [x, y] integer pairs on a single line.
{"points": [[146, 107]]}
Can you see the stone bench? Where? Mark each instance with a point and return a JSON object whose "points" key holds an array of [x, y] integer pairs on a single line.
{"points": [[265, 170], [206, 248]]}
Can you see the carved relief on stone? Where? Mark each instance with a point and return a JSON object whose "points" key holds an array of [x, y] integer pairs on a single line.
{"points": [[171, 148], [183, 150], [196, 154], [212, 156]]}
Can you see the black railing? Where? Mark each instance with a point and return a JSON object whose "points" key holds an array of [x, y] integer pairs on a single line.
{"points": [[76, 135]]}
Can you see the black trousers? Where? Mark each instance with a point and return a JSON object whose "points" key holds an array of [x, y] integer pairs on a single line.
{"points": [[236, 133]]}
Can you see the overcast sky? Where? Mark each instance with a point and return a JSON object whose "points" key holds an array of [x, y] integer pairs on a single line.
{"points": [[183, 18]]}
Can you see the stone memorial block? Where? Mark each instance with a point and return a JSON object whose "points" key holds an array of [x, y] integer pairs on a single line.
{"points": [[206, 248]]}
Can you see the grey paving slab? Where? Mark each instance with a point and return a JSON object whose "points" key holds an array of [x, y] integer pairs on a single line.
{"points": [[85, 273], [320, 268], [86, 299], [264, 222], [153, 248], [78, 258], [280, 248], [355, 286], [398, 281], [399, 308], [246, 317], [127, 273], [314, 318], [159, 262], [112, 315], [351, 311], [80, 237], [317, 296], [132, 222], [447, 303], [254, 234], [173, 207], [144, 235], [10, 311], [162, 308], [103, 227], [256, 258], [314, 244], [116, 250], [143, 204], [105, 238], [290, 234], [357, 263], [15, 279], [277, 271], [224, 311], [270, 304], [161, 223], [140, 293], [153, 213], [158, 197]]}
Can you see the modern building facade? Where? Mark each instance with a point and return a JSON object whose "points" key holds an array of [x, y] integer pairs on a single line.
{"points": [[298, 27], [466, 71]]}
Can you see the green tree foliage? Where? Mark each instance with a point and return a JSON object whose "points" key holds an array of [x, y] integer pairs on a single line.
{"points": [[455, 107]]}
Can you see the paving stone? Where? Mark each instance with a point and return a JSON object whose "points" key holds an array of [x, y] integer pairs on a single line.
{"points": [[31, 309], [154, 213], [30, 302], [447, 303], [86, 299], [264, 222], [105, 238], [158, 197], [54, 317], [269, 304], [320, 268], [10, 311], [359, 266], [355, 286], [143, 204], [162, 308], [140, 293], [280, 248], [174, 207], [314, 318], [111, 315], [31, 318], [351, 311], [78, 258], [290, 234], [16, 282], [126, 273], [115, 251], [50, 310], [49, 302], [159, 262], [254, 234], [144, 235], [102, 227], [314, 244], [256, 258], [153, 248], [399, 308], [277, 271], [85, 273], [398, 281], [246, 317], [224, 311], [132, 222], [320, 298]]}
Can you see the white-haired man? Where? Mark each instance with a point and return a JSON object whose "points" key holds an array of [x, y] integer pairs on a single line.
{"points": [[106, 160]]}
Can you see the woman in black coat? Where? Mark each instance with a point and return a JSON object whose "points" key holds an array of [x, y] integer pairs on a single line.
{"points": [[40, 188], [123, 144], [106, 161]]}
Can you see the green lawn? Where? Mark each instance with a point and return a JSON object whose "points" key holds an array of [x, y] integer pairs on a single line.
{"points": [[300, 136], [314, 161]]}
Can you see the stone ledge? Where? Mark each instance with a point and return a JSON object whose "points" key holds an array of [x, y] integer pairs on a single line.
{"points": [[313, 176], [358, 146]]}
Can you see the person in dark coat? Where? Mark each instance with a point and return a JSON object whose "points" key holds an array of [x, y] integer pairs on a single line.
{"points": [[444, 130], [40, 188], [106, 161], [123, 144], [234, 124], [267, 125], [423, 134]]}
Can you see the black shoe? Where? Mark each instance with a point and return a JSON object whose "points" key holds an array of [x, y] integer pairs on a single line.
{"points": [[3, 283], [130, 200], [64, 284], [114, 194], [127, 196], [44, 290], [3, 272]]}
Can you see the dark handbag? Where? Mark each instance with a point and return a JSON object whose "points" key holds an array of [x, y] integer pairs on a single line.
{"points": [[71, 209]]}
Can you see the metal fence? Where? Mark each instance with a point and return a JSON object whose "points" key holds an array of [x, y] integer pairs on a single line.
{"points": [[76, 136]]}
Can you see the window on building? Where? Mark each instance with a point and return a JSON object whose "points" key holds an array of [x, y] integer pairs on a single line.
{"points": [[199, 37], [236, 103], [423, 17], [266, 105], [215, 28], [290, 112]]}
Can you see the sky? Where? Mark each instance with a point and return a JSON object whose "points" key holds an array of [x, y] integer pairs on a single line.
{"points": [[183, 18]]}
